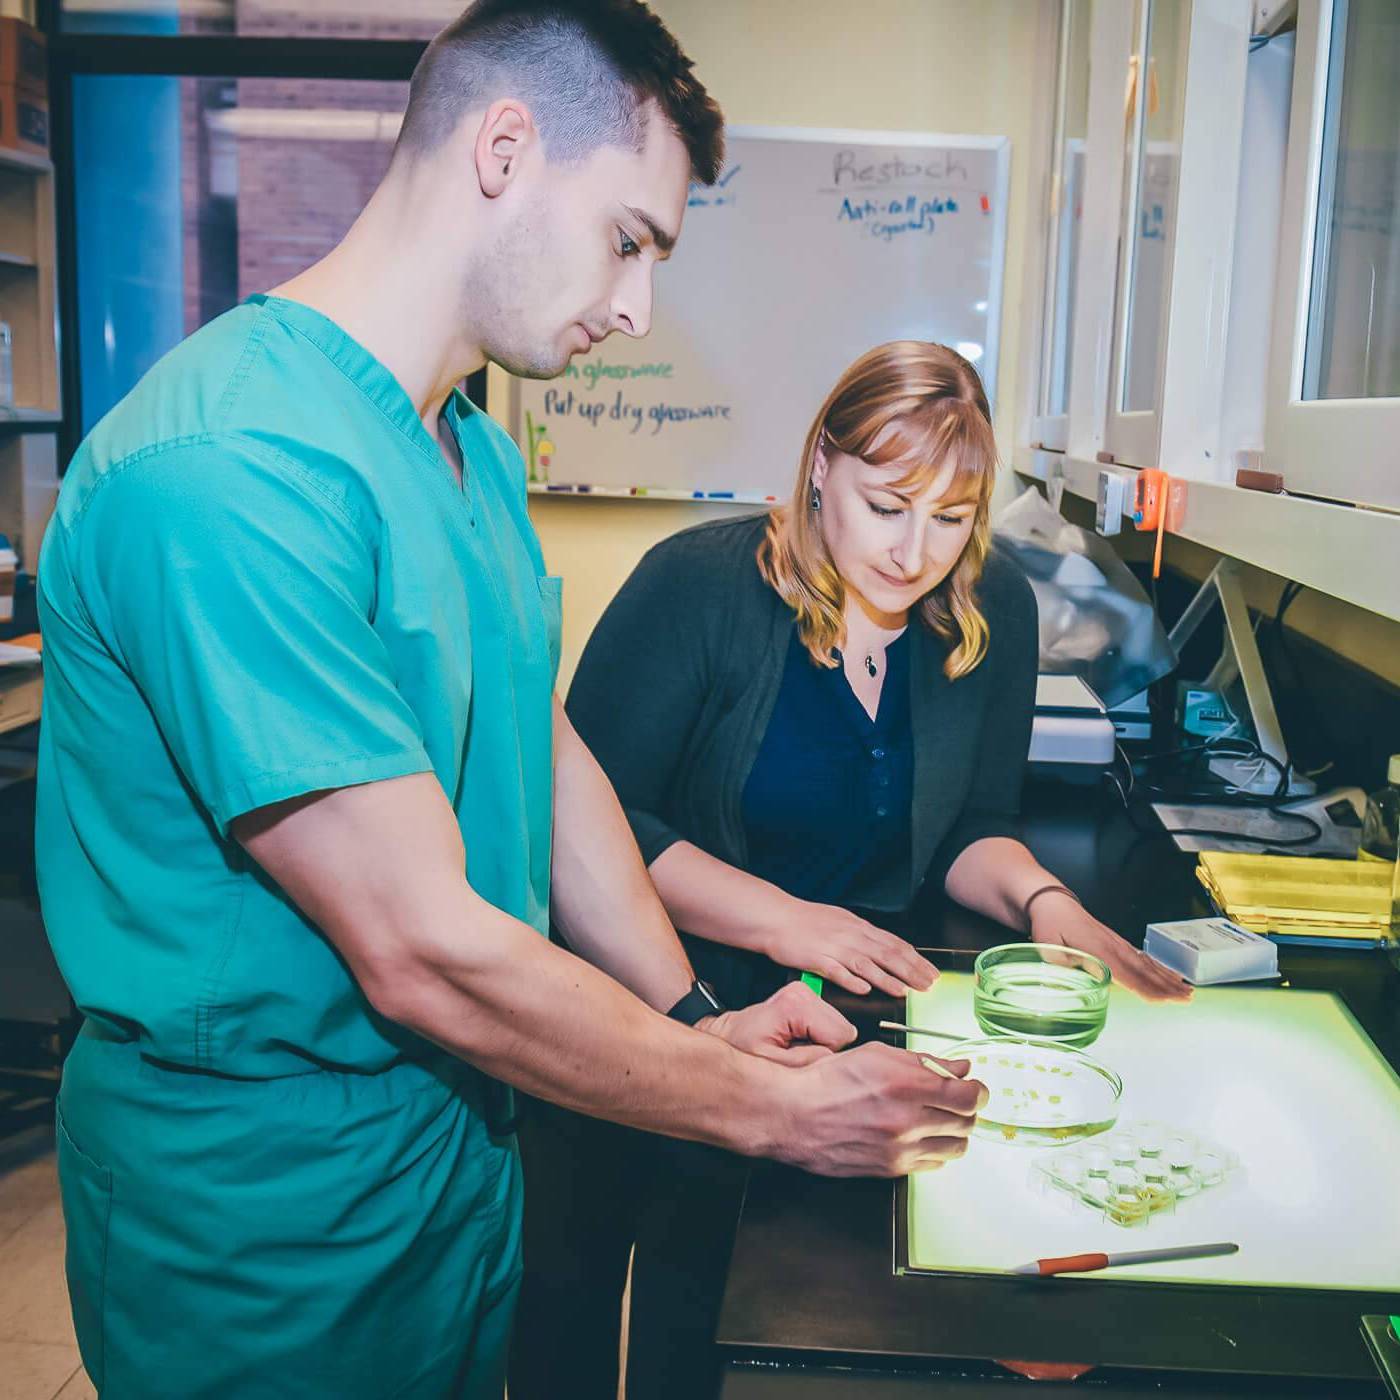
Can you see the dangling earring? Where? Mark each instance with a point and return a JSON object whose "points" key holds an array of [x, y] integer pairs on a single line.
{"points": [[816, 498]]}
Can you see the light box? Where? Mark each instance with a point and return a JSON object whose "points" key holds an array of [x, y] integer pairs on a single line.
{"points": [[1286, 1080]]}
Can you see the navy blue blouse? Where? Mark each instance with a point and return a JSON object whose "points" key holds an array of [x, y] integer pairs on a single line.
{"points": [[826, 808]]}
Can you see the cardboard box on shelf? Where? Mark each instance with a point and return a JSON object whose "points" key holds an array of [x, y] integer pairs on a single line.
{"points": [[24, 121], [24, 56]]}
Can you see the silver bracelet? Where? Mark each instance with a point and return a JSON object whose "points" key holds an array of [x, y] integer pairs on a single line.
{"points": [[1047, 889]]}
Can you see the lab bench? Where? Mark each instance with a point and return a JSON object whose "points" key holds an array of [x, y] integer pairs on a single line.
{"points": [[816, 1307]]}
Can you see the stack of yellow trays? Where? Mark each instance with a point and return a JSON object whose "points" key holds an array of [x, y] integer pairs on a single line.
{"points": [[1300, 895]]}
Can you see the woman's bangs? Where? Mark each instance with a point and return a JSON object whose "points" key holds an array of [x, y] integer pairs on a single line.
{"points": [[951, 432]]}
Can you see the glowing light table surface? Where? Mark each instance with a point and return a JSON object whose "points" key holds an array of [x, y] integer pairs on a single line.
{"points": [[1286, 1079]]}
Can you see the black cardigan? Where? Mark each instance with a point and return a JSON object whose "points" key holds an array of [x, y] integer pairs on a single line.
{"points": [[675, 688]]}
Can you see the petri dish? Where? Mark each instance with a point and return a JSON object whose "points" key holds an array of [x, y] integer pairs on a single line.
{"points": [[1042, 992], [1040, 1092]]}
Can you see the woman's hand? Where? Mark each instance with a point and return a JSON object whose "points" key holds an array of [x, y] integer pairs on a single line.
{"points": [[1056, 918], [845, 949]]}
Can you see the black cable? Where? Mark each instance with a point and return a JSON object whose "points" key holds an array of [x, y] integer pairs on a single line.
{"points": [[1242, 748]]}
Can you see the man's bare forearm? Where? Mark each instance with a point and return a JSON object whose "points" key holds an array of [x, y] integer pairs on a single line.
{"points": [[601, 896], [548, 1022], [380, 870]]}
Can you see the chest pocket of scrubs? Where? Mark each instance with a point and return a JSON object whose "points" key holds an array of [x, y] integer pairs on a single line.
{"points": [[552, 606]]}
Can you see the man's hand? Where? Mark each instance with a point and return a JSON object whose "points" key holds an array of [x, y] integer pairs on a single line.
{"points": [[1058, 919], [878, 1111], [794, 1026], [845, 949]]}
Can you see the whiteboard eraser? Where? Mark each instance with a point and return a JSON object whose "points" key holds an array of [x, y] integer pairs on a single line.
{"points": [[1207, 951]]}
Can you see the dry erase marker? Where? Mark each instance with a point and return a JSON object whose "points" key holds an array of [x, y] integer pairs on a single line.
{"points": [[1087, 1263]]}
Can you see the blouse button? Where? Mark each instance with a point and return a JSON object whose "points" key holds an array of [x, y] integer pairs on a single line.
{"points": [[877, 753]]}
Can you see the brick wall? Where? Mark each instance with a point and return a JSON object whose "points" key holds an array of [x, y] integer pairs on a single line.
{"points": [[295, 196]]}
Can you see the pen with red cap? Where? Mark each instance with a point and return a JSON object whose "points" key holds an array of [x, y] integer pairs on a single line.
{"points": [[1087, 1263]]}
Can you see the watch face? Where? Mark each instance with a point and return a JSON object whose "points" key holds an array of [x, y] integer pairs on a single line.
{"points": [[709, 994]]}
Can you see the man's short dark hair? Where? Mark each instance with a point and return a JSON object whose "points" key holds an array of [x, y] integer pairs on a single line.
{"points": [[586, 69]]}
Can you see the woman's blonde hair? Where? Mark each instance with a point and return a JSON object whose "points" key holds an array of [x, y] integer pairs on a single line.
{"points": [[931, 402]]}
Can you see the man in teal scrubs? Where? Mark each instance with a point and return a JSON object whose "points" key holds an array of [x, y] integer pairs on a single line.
{"points": [[306, 799]]}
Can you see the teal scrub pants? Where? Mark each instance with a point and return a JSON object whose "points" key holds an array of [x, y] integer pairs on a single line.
{"points": [[320, 1235]]}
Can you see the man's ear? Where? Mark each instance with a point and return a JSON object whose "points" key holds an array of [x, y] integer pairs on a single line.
{"points": [[507, 131]]}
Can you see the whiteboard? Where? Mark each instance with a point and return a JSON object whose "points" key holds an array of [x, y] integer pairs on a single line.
{"points": [[811, 248]]}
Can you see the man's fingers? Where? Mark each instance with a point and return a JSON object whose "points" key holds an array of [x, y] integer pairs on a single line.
{"points": [[915, 1083], [956, 1067], [934, 1152], [795, 1055], [939, 1123], [810, 1018]]}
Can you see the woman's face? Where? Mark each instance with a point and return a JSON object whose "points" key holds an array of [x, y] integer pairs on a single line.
{"points": [[890, 547]]}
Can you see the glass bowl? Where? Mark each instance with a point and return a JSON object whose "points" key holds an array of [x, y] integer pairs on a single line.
{"points": [[1039, 1092], [1042, 991]]}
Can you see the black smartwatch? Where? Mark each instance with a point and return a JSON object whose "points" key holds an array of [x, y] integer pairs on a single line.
{"points": [[700, 1001]]}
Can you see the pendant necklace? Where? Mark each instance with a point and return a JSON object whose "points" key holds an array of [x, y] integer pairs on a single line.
{"points": [[870, 666]]}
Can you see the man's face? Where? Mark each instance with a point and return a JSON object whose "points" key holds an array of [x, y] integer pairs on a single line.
{"points": [[575, 263]]}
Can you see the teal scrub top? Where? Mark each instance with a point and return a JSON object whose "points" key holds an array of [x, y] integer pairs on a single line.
{"points": [[263, 579]]}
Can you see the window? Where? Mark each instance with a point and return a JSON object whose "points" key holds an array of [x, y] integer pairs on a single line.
{"points": [[192, 193], [1236, 285], [322, 19], [1353, 336], [1334, 382], [1066, 222], [1154, 111], [1152, 165]]}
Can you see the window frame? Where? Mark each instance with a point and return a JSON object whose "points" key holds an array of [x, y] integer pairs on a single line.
{"points": [[1337, 549], [1338, 449], [1051, 430], [1183, 431], [73, 54], [1110, 46]]}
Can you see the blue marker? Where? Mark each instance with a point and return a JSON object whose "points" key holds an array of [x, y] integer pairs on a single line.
{"points": [[721, 495], [552, 487], [698, 495]]}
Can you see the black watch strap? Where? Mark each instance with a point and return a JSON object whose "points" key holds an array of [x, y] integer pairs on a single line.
{"points": [[700, 1001]]}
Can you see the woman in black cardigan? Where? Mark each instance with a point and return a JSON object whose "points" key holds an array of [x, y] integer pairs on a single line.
{"points": [[824, 707]]}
